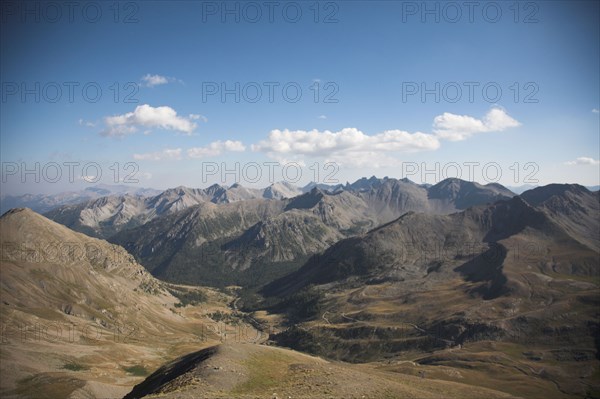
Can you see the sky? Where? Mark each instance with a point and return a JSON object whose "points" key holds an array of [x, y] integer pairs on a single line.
{"points": [[161, 94]]}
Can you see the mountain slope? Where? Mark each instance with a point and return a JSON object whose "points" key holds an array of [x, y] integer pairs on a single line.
{"points": [[77, 311], [186, 246], [573, 207], [454, 194], [257, 371], [506, 273]]}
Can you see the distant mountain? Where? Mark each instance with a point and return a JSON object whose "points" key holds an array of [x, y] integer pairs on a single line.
{"points": [[390, 198], [43, 203], [526, 187], [521, 189], [365, 184], [281, 190], [234, 242], [248, 242], [323, 187], [105, 216], [573, 207], [244, 232], [459, 194]]}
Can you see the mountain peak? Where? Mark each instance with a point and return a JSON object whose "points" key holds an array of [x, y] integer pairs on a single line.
{"points": [[541, 194], [466, 193]]}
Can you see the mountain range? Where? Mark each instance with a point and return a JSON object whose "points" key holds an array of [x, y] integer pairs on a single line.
{"points": [[486, 292], [218, 234]]}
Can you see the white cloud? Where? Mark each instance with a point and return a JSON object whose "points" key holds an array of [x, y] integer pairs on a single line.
{"points": [[322, 116], [351, 146], [460, 127], [583, 161], [348, 146], [155, 80], [86, 123], [195, 117], [216, 148], [148, 117], [166, 154], [596, 111]]}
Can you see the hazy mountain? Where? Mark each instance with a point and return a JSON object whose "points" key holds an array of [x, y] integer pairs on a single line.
{"points": [[323, 187], [105, 216], [526, 187], [43, 203], [390, 198], [573, 207], [455, 194], [521, 189], [223, 235], [365, 184], [281, 190], [382, 200]]}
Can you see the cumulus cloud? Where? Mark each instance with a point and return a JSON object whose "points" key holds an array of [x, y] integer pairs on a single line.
{"points": [[195, 117], [460, 127], [322, 116], [351, 146], [149, 80], [166, 154], [583, 161], [216, 148], [147, 116], [348, 146], [327, 143]]}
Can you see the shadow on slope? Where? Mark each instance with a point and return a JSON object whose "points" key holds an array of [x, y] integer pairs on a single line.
{"points": [[169, 372]]}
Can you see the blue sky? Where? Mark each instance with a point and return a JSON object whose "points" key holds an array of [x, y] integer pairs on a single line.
{"points": [[368, 61]]}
